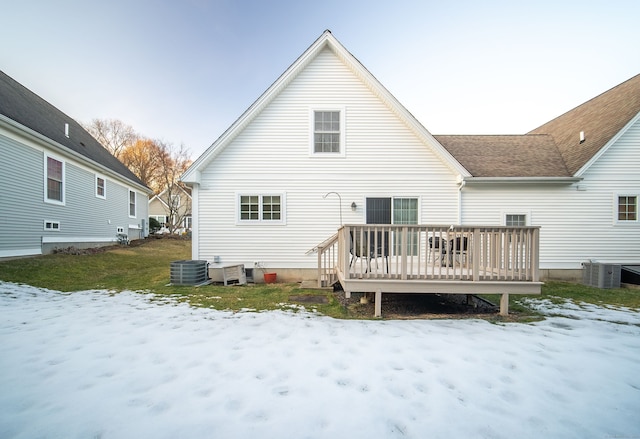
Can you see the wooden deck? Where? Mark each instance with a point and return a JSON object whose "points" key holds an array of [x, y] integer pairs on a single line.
{"points": [[382, 258]]}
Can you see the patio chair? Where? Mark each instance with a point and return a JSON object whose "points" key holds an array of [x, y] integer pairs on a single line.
{"points": [[459, 248], [435, 248], [369, 248]]}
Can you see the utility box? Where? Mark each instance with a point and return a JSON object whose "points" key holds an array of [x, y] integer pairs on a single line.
{"points": [[234, 274], [601, 275]]}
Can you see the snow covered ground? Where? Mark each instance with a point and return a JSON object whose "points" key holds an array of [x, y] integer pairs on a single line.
{"points": [[94, 364]]}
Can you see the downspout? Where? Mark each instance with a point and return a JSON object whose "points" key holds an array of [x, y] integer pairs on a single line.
{"points": [[461, 184], [195, 221]]}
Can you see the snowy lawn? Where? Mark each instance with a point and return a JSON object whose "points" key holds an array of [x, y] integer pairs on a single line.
{"points": [[98, 365]]}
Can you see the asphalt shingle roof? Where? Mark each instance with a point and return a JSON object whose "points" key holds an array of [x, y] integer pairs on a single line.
{"points": [[28, 109], [600, 118], [506, 155], [553, 149]]}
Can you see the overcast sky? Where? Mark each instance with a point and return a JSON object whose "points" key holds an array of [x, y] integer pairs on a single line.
{"points": [[183, 70]]}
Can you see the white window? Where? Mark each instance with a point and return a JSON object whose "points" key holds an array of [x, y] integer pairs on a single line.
{"points": [[627, 208], [327, 133], [52, 226], [101, 187], [132, 204], [54, 180], [162, 219], [515, 220], [265, 209]]}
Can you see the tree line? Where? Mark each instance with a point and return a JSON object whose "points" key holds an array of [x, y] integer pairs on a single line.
{"points": [[158, 164]]}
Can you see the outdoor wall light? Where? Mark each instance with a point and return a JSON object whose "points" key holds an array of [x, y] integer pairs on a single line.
{"points": [[354, 206]]}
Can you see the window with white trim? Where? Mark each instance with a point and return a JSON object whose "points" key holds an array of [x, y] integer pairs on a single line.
{"points": [[162, 219], [101, 187], [52, 226], [54, 180], [267, 208], [627, 208], [132, 204], [515, 220], [327, 137]]}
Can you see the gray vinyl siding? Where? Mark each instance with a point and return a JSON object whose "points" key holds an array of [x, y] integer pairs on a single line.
{"points": [[21, 180], [83, 217]]}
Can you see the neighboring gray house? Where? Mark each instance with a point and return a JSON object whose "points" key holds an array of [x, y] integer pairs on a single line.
{"points": [[60, 187]]}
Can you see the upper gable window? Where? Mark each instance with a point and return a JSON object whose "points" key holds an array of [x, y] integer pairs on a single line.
{"points": [[328, 132], [54, 180]]}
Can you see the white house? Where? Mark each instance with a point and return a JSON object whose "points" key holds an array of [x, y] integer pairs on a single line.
{"points": [[328, 145], [60, 187]]}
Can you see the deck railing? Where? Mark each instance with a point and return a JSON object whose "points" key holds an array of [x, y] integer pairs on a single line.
{"points": [[327, 261], [431, 252]]}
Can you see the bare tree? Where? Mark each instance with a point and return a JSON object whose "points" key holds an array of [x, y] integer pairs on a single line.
{"points": [[172, 163], [113, 134]]}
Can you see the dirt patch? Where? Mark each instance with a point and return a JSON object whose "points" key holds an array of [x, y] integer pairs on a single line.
{"points": [[421, 306], [309, 299]]}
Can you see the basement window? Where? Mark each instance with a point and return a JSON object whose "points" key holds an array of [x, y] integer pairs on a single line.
{"points": [[52, 226]]}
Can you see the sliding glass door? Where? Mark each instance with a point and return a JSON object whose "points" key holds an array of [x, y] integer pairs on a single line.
{"points": [[394, 210]]}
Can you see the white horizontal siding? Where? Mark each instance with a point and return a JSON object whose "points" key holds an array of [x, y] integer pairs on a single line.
{"points": [[576, 225], [271, 155]]}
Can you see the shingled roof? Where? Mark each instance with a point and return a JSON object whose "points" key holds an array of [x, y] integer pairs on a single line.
{"points": [[507, 155], [553, 149], [28, 109], [600, 118]]}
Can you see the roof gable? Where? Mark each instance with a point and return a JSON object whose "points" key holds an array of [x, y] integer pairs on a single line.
{"points": [[185, 190], [24, 107], [601, 119], [326, 40]]}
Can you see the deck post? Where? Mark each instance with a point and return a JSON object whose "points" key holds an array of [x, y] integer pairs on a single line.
{"points": [[320, 266], [504, 304], [475, 255], [378, 304]]}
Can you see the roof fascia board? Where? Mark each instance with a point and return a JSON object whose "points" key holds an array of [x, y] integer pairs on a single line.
{"points": [[190, 176], [400, 110], [520, 180], [35, 136], [159, 196], [608, 145]]}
